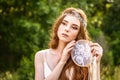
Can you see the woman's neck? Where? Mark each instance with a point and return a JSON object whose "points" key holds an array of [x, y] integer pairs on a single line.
{"points": [[61, 46]]}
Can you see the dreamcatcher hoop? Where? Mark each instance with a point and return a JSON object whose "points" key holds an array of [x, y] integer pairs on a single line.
{"points": [[81, 53]]}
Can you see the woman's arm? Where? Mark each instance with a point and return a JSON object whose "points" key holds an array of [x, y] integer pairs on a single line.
{"points": [[56, 72], [64, 57], [97, 51], [39, 67], [98, 70]]}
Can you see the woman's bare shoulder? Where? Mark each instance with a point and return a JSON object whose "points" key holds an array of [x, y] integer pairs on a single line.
{"points": [[39, 56], [41, 52]]}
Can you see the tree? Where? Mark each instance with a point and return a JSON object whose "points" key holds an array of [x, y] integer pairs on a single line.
{"points": [[112, 30]]}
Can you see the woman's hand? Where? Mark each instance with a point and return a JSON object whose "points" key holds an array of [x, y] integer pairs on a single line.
{"points": [[66, 51], [96, 50]]}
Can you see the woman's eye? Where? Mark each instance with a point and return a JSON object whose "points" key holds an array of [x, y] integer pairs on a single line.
{"points": [[63, 23], [74, 27]]}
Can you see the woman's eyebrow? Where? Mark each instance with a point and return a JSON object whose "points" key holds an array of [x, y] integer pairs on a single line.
{"points": [[76, 25], [65, 20]]}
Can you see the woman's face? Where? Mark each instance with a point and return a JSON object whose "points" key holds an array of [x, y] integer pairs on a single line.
{"points": [[68, 29]]}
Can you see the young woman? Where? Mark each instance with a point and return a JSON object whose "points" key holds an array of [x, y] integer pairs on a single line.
{"points": [[55, 63]]}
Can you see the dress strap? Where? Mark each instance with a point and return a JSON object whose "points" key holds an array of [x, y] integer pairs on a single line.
{"points": [[47, 69]]}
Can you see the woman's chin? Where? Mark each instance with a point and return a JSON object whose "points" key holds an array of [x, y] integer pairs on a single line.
{"points": [[64, 40]]}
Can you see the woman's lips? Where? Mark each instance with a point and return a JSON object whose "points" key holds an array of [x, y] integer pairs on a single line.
{"points": [[64, 35]]}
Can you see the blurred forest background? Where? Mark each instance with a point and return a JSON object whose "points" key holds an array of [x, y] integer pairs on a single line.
{"points": [[25, 25]]}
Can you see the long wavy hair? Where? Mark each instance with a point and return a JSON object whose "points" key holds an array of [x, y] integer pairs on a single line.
{"points": [[80, 73]]}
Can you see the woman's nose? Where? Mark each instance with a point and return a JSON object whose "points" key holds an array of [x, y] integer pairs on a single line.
{"points": [[67, 28]]}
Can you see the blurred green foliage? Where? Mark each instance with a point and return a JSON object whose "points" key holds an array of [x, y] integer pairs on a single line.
{"points": [[25, 25]]}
